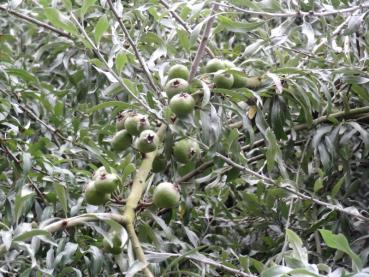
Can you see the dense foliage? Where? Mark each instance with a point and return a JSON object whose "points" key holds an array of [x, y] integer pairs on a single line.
{"points": [[280, 185]]}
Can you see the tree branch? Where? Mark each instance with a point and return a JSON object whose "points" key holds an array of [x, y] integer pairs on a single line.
{"points": [[137, 53], [137, 249], [184, 25], [208, 261], [112, 72], [37, 22], [204, 40], [298, 13], [297, 193], [197, 170], [81, 219], [325, 118], [138, 188]]}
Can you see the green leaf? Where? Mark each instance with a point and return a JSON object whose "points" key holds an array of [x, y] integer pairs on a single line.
{"points": [[117, 104], [102, 26], [30, 234], [337, 187], [296, 244], [27, 162], [60, 21], [318, 184], [273, 149], [236, 26], [130, 168], [23, 74], [120, 61], [184, 39], [62, 196], [340, 243], [85, 6], [68, 4], [21, 200]]}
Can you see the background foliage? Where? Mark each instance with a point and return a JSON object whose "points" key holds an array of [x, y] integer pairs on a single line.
{"points": [[282, 186]]}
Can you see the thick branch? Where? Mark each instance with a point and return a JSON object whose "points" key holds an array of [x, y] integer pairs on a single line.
{"points": [[204, 40], [81, 219], [138, 188], [136, 245], [137, 53], [139, 182]]}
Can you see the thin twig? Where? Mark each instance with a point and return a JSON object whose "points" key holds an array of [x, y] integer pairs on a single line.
{"points": [[112, 72], [204, 40], [28, 110], [137, 53], [184, 25], [18, 162], [322, 119], [293, 191], [340, 27], [191, 174], [285, 244], [38, 192], [298, 13], [208, 261], [37, 22]]}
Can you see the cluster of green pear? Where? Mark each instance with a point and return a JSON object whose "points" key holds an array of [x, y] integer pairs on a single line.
{"points": [[229, 80], [180, 101], [103, 183], [133, 129], [224, 74], [130, 124]]}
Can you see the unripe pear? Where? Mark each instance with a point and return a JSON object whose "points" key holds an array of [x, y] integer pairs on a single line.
{"points": [[93, 197], [166, 195], [121, 118], [147, 142], [253, 82], [178, 71], [107, 183], [98, 172], [136, 124], [186, 150], [214, 65], [182, 104], [223, 80], [239, 81], [121, 140], [175, 86], [229, 64]]}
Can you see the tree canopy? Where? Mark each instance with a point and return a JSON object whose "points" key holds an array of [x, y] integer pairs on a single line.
{"points": [[184, 138]]}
